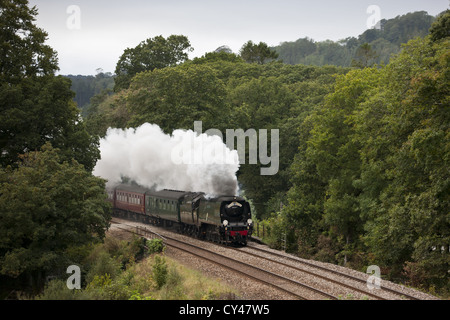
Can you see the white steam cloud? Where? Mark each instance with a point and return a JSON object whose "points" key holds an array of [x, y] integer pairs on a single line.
{"points": [[181, 161]]}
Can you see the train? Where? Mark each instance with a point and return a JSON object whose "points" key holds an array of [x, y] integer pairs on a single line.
{"points": [[222, 219]]}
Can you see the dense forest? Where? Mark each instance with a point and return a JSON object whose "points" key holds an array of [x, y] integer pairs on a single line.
{"points": [[363, 157]]}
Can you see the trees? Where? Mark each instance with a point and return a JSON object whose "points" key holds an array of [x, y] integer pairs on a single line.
{"points": [[365, 56], [324, 198], [22, 50], [153, 53], [49, 201], [408, 164], [259, 53], [440, 29], [385, 42], [363, 173], [47, 206], [372, 173], [174, 98], [87, 87], [35, 105]]}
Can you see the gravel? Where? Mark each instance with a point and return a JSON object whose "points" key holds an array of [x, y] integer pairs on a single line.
{"points": [[254, 290]]}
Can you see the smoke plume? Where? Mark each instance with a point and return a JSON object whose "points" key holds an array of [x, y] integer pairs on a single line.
{"points": [[181, 161]]}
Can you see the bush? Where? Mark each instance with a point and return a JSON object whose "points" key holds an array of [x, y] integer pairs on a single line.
{"points": [[102, 263], [57, 290], [155, 246], [160, 271]]}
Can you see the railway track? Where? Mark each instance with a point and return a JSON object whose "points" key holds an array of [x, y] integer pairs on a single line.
{"points": [[277, 281], [357, 284], [285, 273], [292, 287]]}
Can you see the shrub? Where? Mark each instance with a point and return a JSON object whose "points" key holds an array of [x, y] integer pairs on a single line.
{"points": [[160, 271], [155, 246]]}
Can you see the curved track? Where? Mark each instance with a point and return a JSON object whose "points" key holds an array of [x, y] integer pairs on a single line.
{"points": [[292, 287], [292, 275]]}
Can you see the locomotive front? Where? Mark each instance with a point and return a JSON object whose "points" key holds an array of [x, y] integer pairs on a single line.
{"points": [[235, 215]]}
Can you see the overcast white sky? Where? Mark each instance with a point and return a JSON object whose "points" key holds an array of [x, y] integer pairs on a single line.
{"points": [[103, 29]]}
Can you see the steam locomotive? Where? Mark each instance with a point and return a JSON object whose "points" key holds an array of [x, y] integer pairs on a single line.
{"points": [[224, 219]]}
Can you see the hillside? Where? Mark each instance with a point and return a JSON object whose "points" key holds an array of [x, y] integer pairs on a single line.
{"points": [[384, 42]]}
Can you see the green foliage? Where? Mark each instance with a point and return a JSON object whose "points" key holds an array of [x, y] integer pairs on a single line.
{"points": [[218, 56], [384, 43], [104, 288], [155, 246], [57, 290], [166, 97], [153, 53], [224, 94], [160, 271], [23, 52], [412, 207], [363, 173], [440, 29], [87, 87], [259, 53], [35, 105], [372, 175], [107, 111], [135, 281], [364, 57], [48, 206], [101, 263]]}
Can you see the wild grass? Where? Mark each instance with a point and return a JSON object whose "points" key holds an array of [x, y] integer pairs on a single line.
{"points": [[112, 272]]}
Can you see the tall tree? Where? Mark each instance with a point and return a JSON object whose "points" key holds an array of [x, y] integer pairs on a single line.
{"points": [[23, 52], [35, 105], [153, 53], [259, 53]]}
